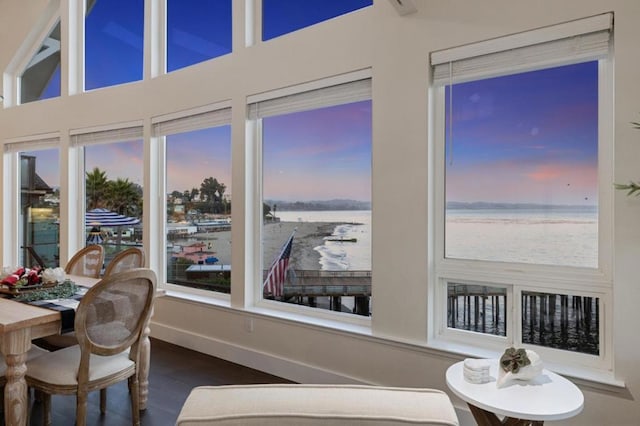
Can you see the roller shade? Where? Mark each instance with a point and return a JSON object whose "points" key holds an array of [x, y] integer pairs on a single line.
{"points": [[354, 91], [35, 144], [572, 42], [173, 124], [119, 134]]}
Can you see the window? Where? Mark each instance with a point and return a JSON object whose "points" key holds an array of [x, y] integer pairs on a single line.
{"points": [[197, 31], [114, 34], [522, 161], [198, 199], [41, 77], [284, 16], [113, 165], [316, 197], [39, 189]]}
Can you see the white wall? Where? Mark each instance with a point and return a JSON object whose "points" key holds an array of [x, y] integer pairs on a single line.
{"points": [[397, 49]]}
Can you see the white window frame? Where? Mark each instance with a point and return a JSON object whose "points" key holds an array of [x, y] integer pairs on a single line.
{"points": [[81, 138], [208, 116], [11, 197], [518, 277], [332, 91], [12, 77]]}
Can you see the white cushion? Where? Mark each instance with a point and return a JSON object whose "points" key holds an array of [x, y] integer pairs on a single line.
{"points": [[61, 367], [33, 353], [303, 405]]}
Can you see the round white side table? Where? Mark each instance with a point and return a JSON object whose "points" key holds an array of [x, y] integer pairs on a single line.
{"points": [[547, 397]]}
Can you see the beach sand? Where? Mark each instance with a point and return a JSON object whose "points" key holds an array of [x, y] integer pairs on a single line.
{"points": [[303, 256]]}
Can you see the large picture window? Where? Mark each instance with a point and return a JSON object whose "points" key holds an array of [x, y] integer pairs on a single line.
{"points": [[521, 160], [197, 31], [113, 166], [316, 197], [523, 164], [41, 77], [38, 230], [114, 40], [198, 197]]}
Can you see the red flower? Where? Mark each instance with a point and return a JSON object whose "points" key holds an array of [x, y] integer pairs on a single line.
{"points": [[33, 276]]}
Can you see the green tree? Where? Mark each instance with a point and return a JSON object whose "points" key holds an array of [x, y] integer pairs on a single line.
{"points": [[96, 184], [194, 194], [212, 192], [124, 197]]}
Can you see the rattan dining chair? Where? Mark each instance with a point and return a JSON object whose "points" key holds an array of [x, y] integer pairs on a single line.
{"points": [[109, 325], [87, 262], [127, 259]]}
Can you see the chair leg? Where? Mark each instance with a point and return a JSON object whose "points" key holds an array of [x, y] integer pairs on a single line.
{"points": [[135, 399], [46, 408], [37, 395], [103, 401], [81, 408]]}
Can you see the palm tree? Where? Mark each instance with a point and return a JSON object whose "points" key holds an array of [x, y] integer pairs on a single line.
{"points": [[124, 197], [96, 184]]}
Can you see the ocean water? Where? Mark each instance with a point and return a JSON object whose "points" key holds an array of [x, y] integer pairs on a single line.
{"points": [[335, 255], [563, 235]]}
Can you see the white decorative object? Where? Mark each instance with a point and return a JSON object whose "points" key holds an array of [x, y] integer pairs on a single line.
{"points": [[476, 370], [51, 275], [531, 370]]}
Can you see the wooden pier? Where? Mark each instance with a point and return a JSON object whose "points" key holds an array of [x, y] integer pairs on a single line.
{"points": [[552, 320], [477, 308], [309, 285]]}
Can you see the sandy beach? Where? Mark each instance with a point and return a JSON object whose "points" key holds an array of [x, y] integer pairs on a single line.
{"points": [[303, 256]]}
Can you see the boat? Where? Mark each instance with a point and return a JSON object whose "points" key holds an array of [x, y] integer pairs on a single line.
{"points": [[342, 239]]}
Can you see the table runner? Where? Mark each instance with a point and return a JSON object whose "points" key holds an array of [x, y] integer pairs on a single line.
{"points": [[67, 308]]}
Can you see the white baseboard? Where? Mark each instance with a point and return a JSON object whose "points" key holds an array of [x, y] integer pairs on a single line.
{"points": [[281, 367]]}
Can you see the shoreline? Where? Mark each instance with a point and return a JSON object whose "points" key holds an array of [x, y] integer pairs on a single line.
{"points": [[308, 235]]}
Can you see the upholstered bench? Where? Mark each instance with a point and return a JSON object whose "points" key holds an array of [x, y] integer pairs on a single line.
{"points": [[304, 405]]}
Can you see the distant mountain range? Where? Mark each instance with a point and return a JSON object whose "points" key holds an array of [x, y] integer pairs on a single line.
{"points": [[480, 205], [319, 205]]}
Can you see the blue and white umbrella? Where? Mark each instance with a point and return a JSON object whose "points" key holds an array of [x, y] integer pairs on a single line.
{"points": [[95, 236], [105, 217]]}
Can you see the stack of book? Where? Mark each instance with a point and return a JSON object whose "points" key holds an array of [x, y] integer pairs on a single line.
{"points": [[476, 370]]}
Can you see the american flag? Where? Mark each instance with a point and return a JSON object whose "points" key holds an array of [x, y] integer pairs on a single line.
{"points": [[274, 283]]}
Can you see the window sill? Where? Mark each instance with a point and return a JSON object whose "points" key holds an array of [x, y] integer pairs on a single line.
{"points": [[295, 314]]}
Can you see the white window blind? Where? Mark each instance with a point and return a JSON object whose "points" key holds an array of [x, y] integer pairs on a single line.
{"points": [[119, 134], [571, 42], [169, 125], [354, 91], [36, 144]]}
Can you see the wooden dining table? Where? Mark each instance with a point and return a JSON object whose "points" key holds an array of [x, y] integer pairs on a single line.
{"points": [[20, 323]]}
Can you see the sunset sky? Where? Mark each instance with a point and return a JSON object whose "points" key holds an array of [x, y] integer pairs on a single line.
{"points": [[530, 137]]}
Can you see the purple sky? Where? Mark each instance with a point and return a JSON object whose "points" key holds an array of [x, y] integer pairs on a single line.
{"points": [[118, 160], [530, 138], [195, 156], [320, 154]]}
